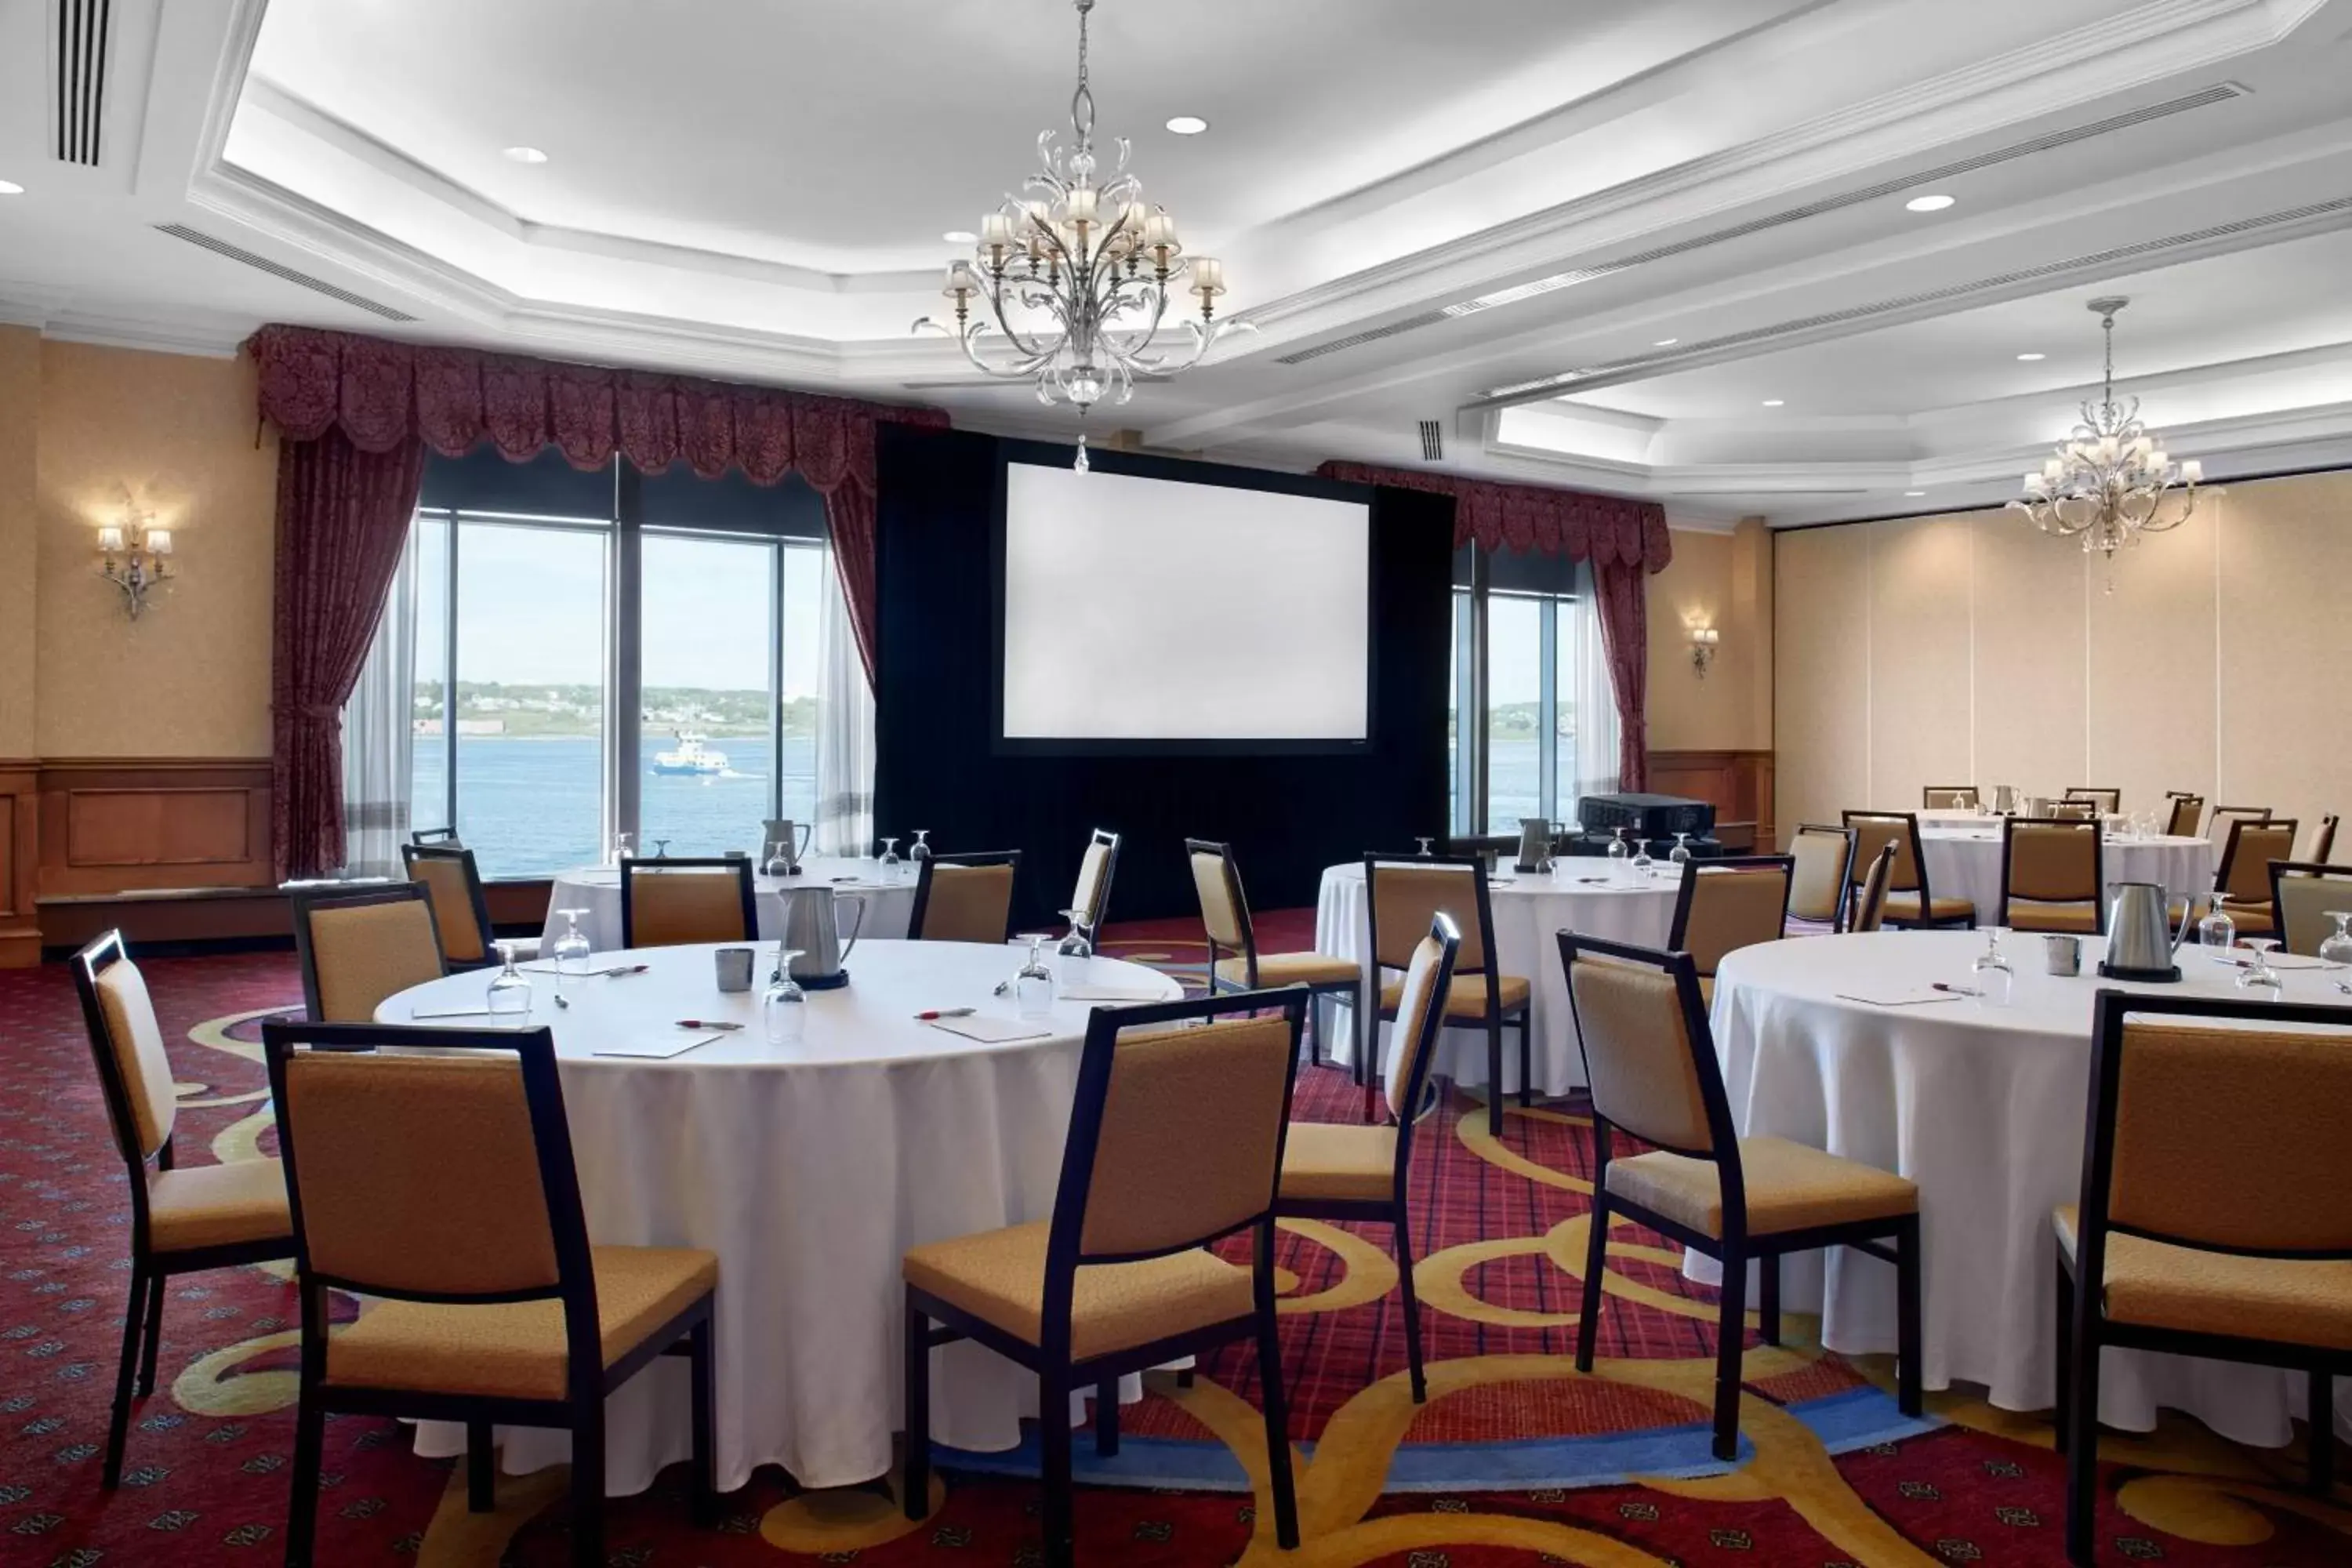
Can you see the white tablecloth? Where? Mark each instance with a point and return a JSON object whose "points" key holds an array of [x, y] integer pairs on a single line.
{"points": [[597, 889], [1964, 862], [1528, 914], [1983, 1108], [810, 1169]]}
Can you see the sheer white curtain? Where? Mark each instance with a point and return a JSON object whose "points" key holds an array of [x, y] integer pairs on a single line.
{"points": [[378, 735], [1595, 698], [844, 731]]}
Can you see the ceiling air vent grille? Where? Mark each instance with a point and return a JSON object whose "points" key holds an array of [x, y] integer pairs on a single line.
{"points": [[1433, 441], [79, 44], [279, 269], [1355, 340]]}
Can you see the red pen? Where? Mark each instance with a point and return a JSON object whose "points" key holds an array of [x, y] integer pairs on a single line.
{"points": [[933, 1014], [705, 1024]]}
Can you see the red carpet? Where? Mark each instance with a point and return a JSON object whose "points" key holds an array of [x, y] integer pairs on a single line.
{"points": [[1515, 1460]]}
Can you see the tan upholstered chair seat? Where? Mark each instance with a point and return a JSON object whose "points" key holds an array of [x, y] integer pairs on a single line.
{"points": [[1905, 907], [2028, 915], [214, 1206], [514, 1350], [1335, 1160], [2157, 1285], [999, 1277], [1466, 997], [1791, 1186], [1290, 969]]}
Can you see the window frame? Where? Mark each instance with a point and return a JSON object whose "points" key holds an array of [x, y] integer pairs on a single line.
{"points": [[1472, 782]]}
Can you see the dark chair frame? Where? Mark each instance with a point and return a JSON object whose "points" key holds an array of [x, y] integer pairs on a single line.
{"points": [[2110, 802], [1927, 793], [305, 901], [1840, 916], [1687, 893], [2258, 813], [1861, 888], [1058, 1372], [739, 865], [1910, 820], [2098, 894], [2177, 801], [1321, 995], [1735, 1249], [410, 854], [439, 837], [1373, 1015], [1110, 841], [2228, 863], [1395, 1210], [581, 1410], [2323, 843], [2282, 869], [2083, 1327], [143, 1317], [978, 858]]}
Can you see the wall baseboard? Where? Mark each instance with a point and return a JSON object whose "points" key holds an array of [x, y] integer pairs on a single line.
{"points": [[1738, 783]]}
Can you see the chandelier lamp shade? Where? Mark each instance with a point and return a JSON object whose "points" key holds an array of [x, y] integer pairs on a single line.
{"points": [[2111, 482], [1070, 283]]}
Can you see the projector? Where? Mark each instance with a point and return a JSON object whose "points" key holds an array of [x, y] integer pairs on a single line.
{"points": [[1655, 816]]}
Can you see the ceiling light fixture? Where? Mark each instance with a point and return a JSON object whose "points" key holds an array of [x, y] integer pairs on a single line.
{"points": [[1913, 495], [960, 237], [1775, 403], [526, 156], [11, 188], [1665, 343], [1076, 277], [2031, 358], [1927, 203], [1188, 125], [2110, 481]]}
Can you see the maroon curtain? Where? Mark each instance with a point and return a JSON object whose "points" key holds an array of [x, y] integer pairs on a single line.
{"points": [[1624, 540], [343, 518]]}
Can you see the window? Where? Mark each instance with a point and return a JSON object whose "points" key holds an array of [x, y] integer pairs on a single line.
{"points": [[1541, 672]]}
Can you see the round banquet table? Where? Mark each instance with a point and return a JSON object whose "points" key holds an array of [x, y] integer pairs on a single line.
{"points": [[809, 1169], [1964, 862], [1984, 1108], [889, 908], [1582, 895]]}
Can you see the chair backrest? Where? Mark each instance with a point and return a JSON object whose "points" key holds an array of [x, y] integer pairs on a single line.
{"points": [[446, 837], [2322, 841], [2048, 861], [1419, 1015], [1824, 867], [2219, 1124], [1404, 893], [1648, 1056], [678, 901], [359, 946], [2108, 801], [2185, 810], [1730, 903], [1095, 868], [2244, 876], [965, 897], [2218, 829], [1949, 797], [2070, 810], [1225, 911], [2303, 893], [461, 912], [133, 1070], [1875, 830], [1870, 899]]}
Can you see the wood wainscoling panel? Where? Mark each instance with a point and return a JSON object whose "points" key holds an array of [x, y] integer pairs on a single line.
{"points": [[131, 824], [20, 937], [1739, 785]]}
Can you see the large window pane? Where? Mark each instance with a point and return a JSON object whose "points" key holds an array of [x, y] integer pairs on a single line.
{"points": [[531, 696], [1514, 710], [1568, 685], [707, 761], [429, 769], [807, 570]]}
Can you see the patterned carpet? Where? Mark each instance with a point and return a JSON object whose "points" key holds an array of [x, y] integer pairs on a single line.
{"points": [[1514, 1459]]}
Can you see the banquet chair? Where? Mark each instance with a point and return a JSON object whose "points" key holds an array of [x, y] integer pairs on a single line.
{"points": [[461, 911], [1909, 901], [1225, 920], [441, 835], [677, 902], [1949, 797], [2218, 829], [1338, 1171], [2186, 811], [358, 945], [1403, 894], [205, 1217], [1823, 857], [2052, 875], [1176, 1141], [2108, 802], [2242, 883], [1650, 1060], [965, 897], [1091, 897], [2212, 1219], [2303, 895], [2322, 841], [1727, 904], [1870, 899], [442, 1185]]}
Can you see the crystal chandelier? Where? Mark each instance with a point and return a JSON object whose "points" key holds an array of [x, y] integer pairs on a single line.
{"points": [[1075, 277], [2111, 482]]}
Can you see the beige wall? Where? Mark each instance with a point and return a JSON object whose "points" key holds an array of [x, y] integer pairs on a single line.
{"points": [[20, 398], [191, 677], [1972, 649], [1725, 581]]}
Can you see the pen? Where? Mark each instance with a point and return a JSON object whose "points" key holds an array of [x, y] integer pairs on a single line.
{"points": [[934, 1014], [628, 969], [705, 1024], [1956, 990]]}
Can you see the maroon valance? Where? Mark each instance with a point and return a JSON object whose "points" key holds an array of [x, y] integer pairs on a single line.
{"points": [[1605, 529]]}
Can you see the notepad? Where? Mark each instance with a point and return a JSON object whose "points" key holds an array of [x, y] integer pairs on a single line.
{"points": [[992, 1031], [1099, 993], [425, 1015], [657, 1049], [1900, 997]]}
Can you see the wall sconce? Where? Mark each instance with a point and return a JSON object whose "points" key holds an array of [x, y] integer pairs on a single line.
{"points": [[1704, 641], [135, 556]]}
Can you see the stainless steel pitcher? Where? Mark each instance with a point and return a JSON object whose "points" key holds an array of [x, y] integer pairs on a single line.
{"points": [[782, 838], [1535, 843], [811, 929], [2004, 799], [2139, 934]]}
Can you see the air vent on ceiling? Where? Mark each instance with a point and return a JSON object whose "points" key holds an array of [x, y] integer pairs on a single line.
{"points": [[1353, 340], [79, 42], [1433, 441], [279, 269]]}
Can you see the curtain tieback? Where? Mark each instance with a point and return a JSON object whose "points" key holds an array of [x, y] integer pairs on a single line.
{"points": [[317, 712]]}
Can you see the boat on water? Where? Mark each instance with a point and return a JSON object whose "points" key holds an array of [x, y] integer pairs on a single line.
{"points": [[690, 756]]}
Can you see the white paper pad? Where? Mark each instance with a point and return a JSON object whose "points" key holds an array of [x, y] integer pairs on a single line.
{"points": [[659, 1049], [1902, 996], [1088, 992], [453, 1013], [991, 1031]]}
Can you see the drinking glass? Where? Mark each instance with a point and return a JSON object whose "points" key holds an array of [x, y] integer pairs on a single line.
{"points": [[1617, 853], [1424, 844], [1680, 854], [1074, 955], [2217, 933], [571, 951], [890, 862], [661, 848], [2336, 952], [922, 850], [509, 993], [1642, 864], [622, 844], [1035, 984], [783, 1007], [2259, 975], [1994, 978]]}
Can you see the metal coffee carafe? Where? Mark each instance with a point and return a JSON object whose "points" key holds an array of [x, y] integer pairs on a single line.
{"points": [[2139, 934], [811, 929], [1535, 843], [2004, 799], [784, 842]]}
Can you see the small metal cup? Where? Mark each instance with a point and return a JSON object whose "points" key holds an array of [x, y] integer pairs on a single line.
{"points": [[734, 965], [2062, 954]]}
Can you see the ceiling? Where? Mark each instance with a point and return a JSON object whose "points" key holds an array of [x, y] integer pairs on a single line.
{"points": [[760, 192]]}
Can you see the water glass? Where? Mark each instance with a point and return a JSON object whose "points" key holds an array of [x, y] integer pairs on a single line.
{"points": [[661, 848], [2336, 952], [1033, 985], [1617, 854], [624, 845], [890, 862], [922, 850], [570, 951], [1994, 978], [2217, 933], [1680, 854], [509, 993], [1074, 955], [1424, 844], [1642, 864], [2259, 975], [783, 1008]]}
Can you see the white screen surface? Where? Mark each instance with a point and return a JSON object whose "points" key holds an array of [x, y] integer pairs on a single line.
{"points": [[1141, 609]]}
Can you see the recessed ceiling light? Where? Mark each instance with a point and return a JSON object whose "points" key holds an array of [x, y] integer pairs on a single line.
{"points": [[1914, 495], [11, 188], [1188, 125], [1775, 402], [1665, 343], [1927, 203], [2033, 359], [526, 156], [960, 237]]}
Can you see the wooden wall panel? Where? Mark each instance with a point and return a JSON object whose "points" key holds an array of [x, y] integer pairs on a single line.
{"points": [[1739, 785], [20, 937], [119, 826]]}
